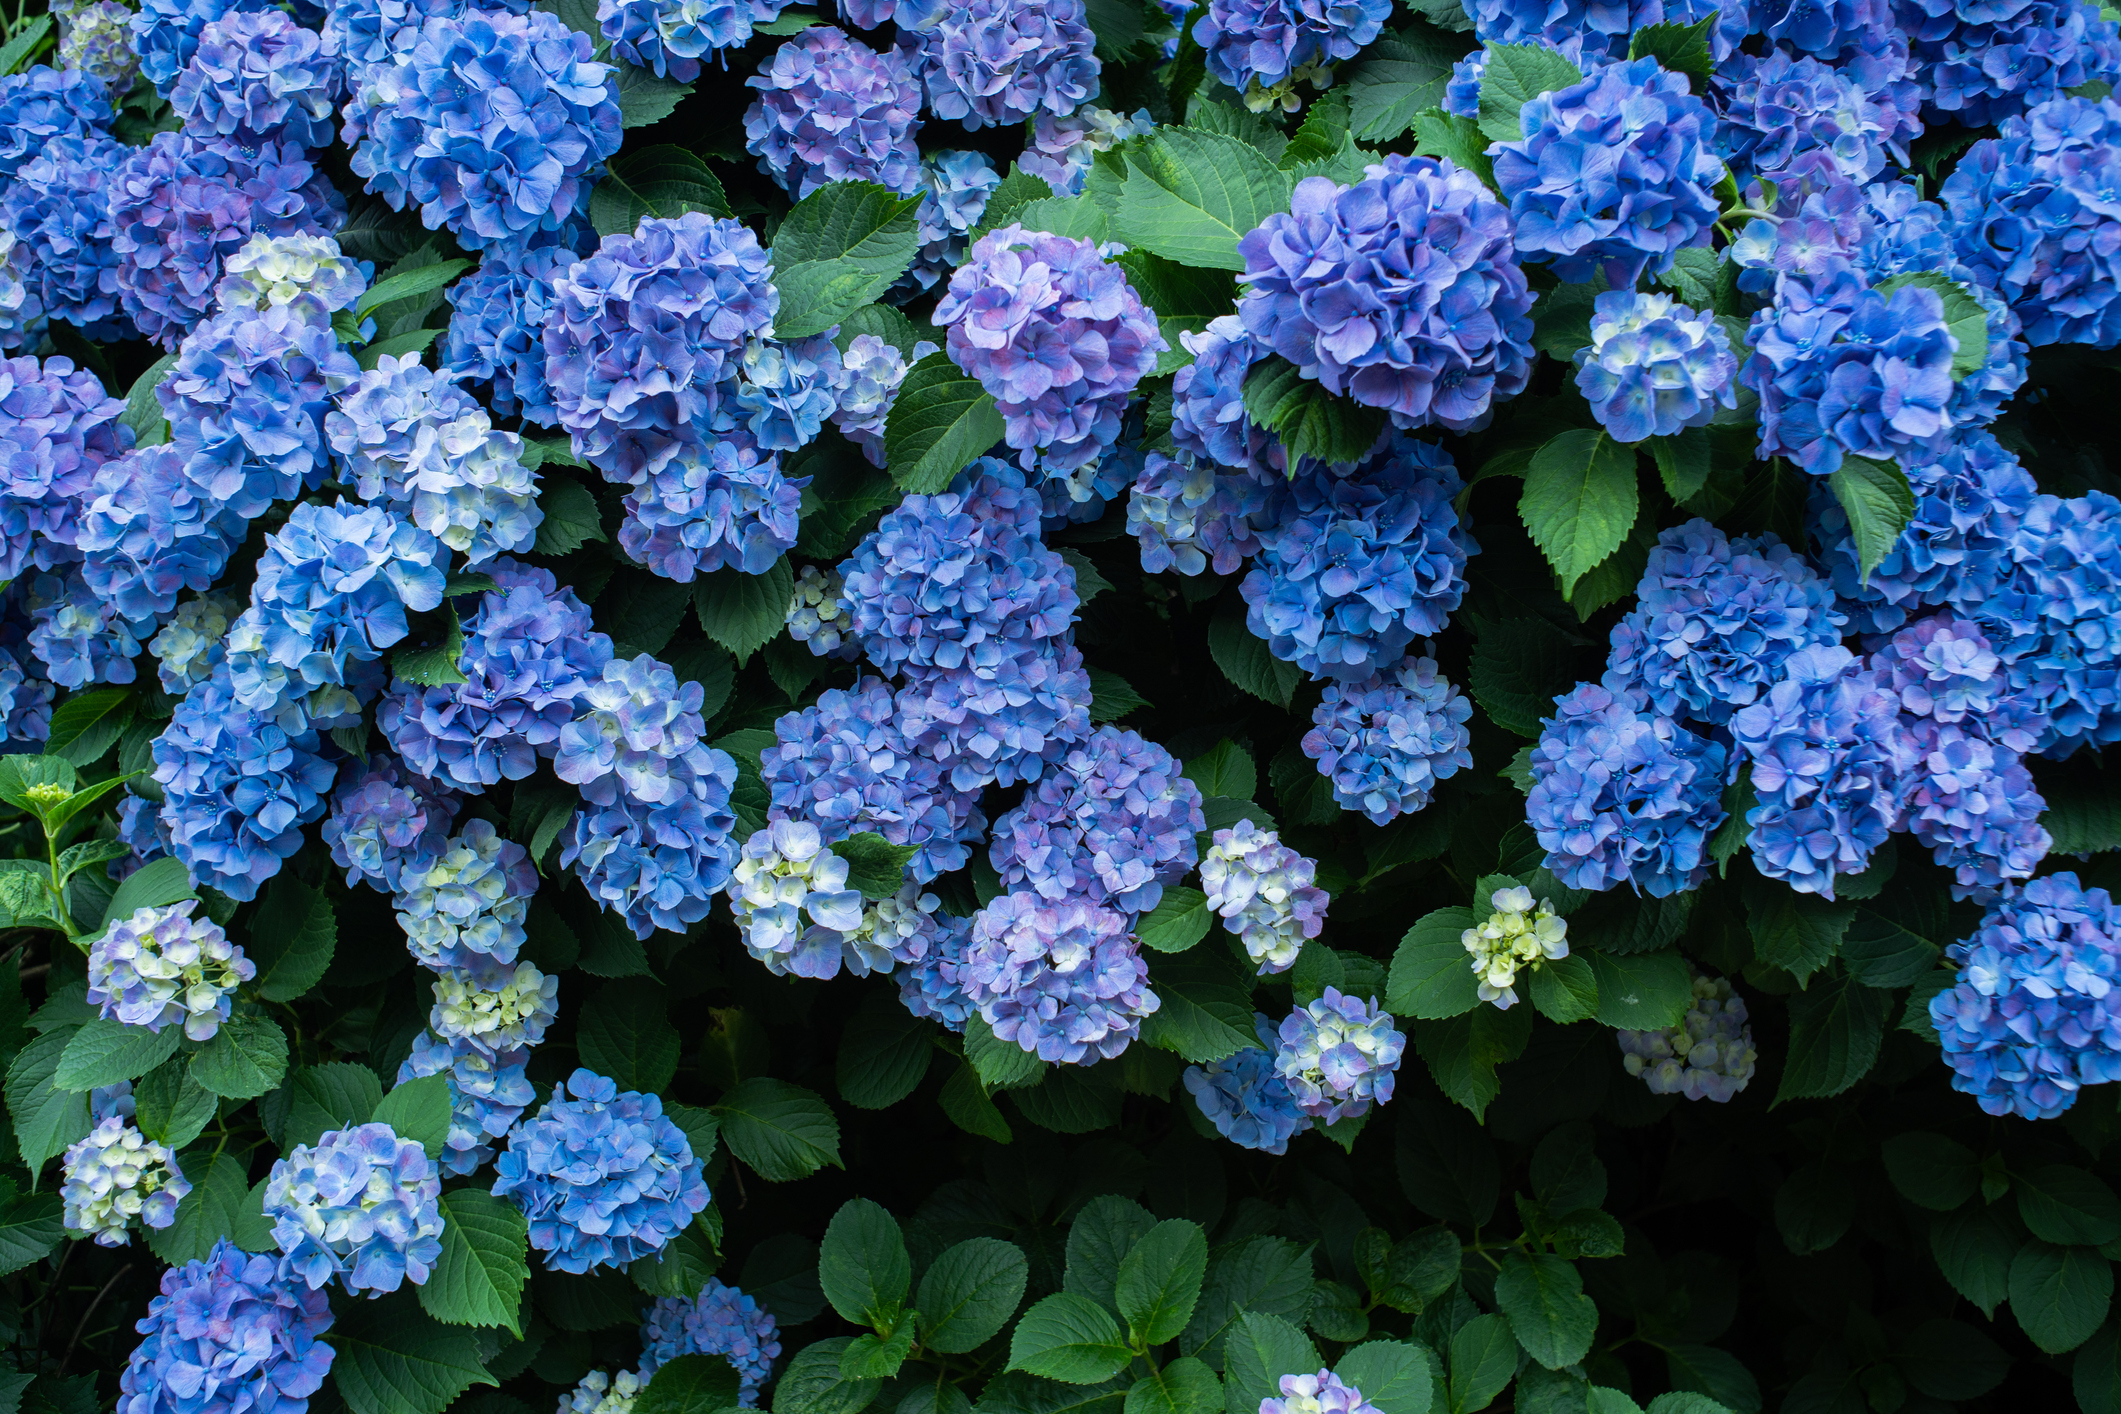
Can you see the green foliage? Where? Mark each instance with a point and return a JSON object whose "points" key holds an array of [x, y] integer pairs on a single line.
{"points": [[1514, 75], [837, 250]]}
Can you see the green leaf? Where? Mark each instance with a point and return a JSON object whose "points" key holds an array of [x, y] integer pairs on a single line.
{"points": [[1963, 316], [218, 1188], [1261, 1349], [46, 1119], [1432, 974], [419, 1110], [31, 1225], [292, 939], [1930, 1170], [1206, 1010], [1395, 1377], [812, 1383], [1799, 933], [969, 1293], [743, 612], [1565, 989], [18, 49], [862, 1264], [322, 1098], [1247, 663], [965, 1104], [682, 1265], [941, 420], [1813, 1208], [1519, 667], [1835, 1032], [874, 865], [1399, 76], [691, 1384], [838, 249], [571, 517], [1678, 49], [1456, 140], [663, 181], [1160, 1280], [1974, 1250], [245, 1058], [1183, 298], [2095, 1375], [1111, 699], [1261, 1276], [170, 1107], [1483, 1359], [878, 1356], [1069, 1338], [1191, 196], [1002, 1065], [644, 99], [89, 723], [1312, 423], [1184, 1386], [1076, 217], [1646, 992], [393, 1358], [1462, 1052], [1684, 461], [1514, 75], [437, 664], [478, 1280], [883, 1054], [1879, 503], [1698, 276], [782, 1131], [625, 1033], [1579, 497], [2068, 1206], [1072, 1099], [1102, 1234], [407, 285], [105, 1052], [153, 884], [1542, 1297], [1179, 920], [2060, 1295], [1224, 769]]}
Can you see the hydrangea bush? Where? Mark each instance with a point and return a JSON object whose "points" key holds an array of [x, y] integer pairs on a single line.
{"points": [[905, 708]]}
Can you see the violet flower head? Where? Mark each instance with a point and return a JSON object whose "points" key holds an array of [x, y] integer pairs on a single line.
{"points": [[58, 428], [258, 77], [830, 109], [1338, 1056], [720, 1320], [1188, 516], [1264, 892], [1262, 48], [360, 1204], [385, 820], [1654, 366], [998, 62], [1384, 742], [670, 37], [496, 331], [232, 1322], [1111, 823], [1064, 981], [57, 209]]}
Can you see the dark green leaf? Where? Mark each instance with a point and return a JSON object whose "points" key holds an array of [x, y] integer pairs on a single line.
{"points": [[1513, 75], [1952, 1360], [1206, 1006], [418, 1109], [1002, 1064], [1395, 1377], [170, 1107], [1579, 498], [89, 723], [2060, 1295], [105, 1052], [1247, 663], [837, 250], [1463, 1051], [874, 865], [1261, 1349], [153, 884], [1835, 1031], [218, 1188], [1103, 1233], [1519, 667], [1069, 1338], [883, 1054], [478, 1280], [1400, 76], [1183, 299], [969, 1293], [2095, 1375], [46, 1119], [1432, 975], [393, 1358], [1542, 1297], [1678, 49], [965, 1103], [1930, 1170], [1483, 1358], [246, 1057], [407, 284], [1312, 423], [813, 1384], [31, 1225], [435, 665], [742, 612], [1813, 1208], [1456, 140], [1799, 933], [645, 99], [862, 1264], [1184, 1386], [691, 1384], [1072, 1099], [940, 421], [1160, 1280], [625, 1034], [1191, 196], [292, 940], [1111, 698], [1974, 1250], [782, 1131], [664, 181], [1179, 920], [1641, 993], [2068, 1206], [1258, 1276], [322, 1098]]}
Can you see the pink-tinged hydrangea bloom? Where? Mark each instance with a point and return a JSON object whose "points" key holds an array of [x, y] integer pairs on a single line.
{"points": [[833, 110]]}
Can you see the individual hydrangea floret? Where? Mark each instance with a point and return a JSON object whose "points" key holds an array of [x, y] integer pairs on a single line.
{"points": [[670, 37], [58, 210], [496, 331], [115, 1175], [1654, 366], [1359, 566], [998, 62], [234, 1324], [42, 103], [493, 1007], [1707, 1055], [1062, 149], [1054, 331], [1517, 937], [1386, 741], [1264, 892], [723, 506], [1112, 823], [790, 897], [58, 427], [464, 905], [1338, 1056], [162, 967], [97, 40], [830, 109], [2030, 1019], [360, 1204], [189, 647], [1064, 981], [1246, 1099], [487, 1095], [1262, 48], [1188, 516], [604, 1176], [722, 1321], [258, 77]]}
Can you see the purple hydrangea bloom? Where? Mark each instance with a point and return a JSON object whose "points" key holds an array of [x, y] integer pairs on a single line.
{"points": [[1264, 892], [1615, 173], [604, 1176], [1322, 1393], [1654, 366], [182, 204], [1262, 48], [1707, 1055], [1358, 567], [58, 210], [954, 188], [462, 905], [722, 1321], [1603, 29], [1982, 63], [1715, 620], [669, 37], [631, 724], [710, 508], [643, 333], [865, 385], [117, 1174], [1004, 714], [1821, 744], [1386, 741], [1246, 1099], [1338, 1056], [1188, 516], [1826, 29], [1054, 331], [1062, 149], [1208, 415], [999, 62], [487, 1095], [830, 109], [1620, 792], [161, 967], [80, 638], [1771, 110], [527, 116], [360, 1204], [58, 428], [2029, 1021], [40, 104], [385, 819], [258, 77], [1064, 981], [367, 34], [146, 535], [228, 1334], [1111, 823], [1428, 315], [932, 986], [495, 333]]}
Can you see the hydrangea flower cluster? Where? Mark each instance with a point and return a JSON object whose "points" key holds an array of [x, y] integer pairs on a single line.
{"points": [[1517, 937], [487, 1093], [955, 187], [1707, 1055], [932, 985], [864, 388], [792, 904], [831, 109], [1110, 824], [78, 636], [235, 1325], [495, 334], [1264, 892], [1602, 30], [166, 32], [162, 967], [669, 37], [817, 615], [1386, 741], [1322, 1393], [1054, 331], [1188, 516], [258, 77], [360, 1204], [57, 210], [118, 1174], [493, 1006], [42, 103], [604, 1175], [146, 535], [1208, 417], [1402, 291], [1776, 109], [96, 40], [600, 1393], [1245, 1097], [1065, 981], [189, 647], [720, 1320], [2029, 1020], [724, 505], [1654, 366], [1983, 64], [1357, 567], [58, 428], [386, 819], [464, 904], [1338, 1056], [998, 62], [1262, 48]]}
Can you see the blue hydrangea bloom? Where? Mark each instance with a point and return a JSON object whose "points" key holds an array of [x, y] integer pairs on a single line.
{"points": [[1246, 1099], [1062, 149], [1429, 318], [784, 392], [146, 535], [162, 967], [2033, 217], [1054, 331], [1064, 981], [722, 1321], [1208, 415], [1615, 173], [642, 334], [58, 428], [669, 37], [1358, 567], [534, 112], [1825, 29], [1262, 48], [998, 62], [1715, 620], [166, 34], [932, 986], [954, 188], [1386, 741], [1338, 1056], [1188, 516], [366, 34], [2029, 1021], [1623, 793], [831, 109], [25, 699], [1111, 823], [142, 829], [40, 104], [22, 321], [463, 904], [487, 1095], [386, 818], [58, 209], [1264, 892], [604, 1176], [360, 1204], [190, 647], [710, 508], [258, 77], [117, 1174], [1602, 28], [632, 725], [1982, 63], [865, 385], [1773, 109], [77, 636], [228, 1333], [180, 206], [791, 902], [1002, 715], [1654, 366], [495, 333]]}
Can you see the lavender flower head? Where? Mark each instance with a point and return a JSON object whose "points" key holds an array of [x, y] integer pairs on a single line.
{"points": [[161, 967], [954, 188], [830, 109], [1517, 937], [864, 387], [496, 332], [58, 427], [1004, 714], [464, 904], [360, 1204], [233, 1323], [166, 32], [1775, 109], [1982, 64], [97, 40], [932, 985], [1338, 1056], [1594, 30], [669, 37], [726, 505], [998, 62], [1322, 1393], [1111, 824], [790, 897], [1188, 516], [1654, 366], [722, 1321], [1246, 1099], [1264, 893], [1262, 48], [1386, 741], [487, 1095], [258, 77], [115, 1175], [1064, 981], [1707, 1055]]}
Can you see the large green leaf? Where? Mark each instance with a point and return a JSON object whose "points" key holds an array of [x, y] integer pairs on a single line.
{"points": [[1432, 975], [1204, 1007], [1879, 503], [1261, 1349], [418, 1109], [837, 250], [245, 1058], [1160, 1280], [1246, 661], [2060, 1295], [1646, 992], [1799, 933], [105, 1052], [322, 1098], [478, 1280], [1513, 75], [1395, 1377], [969, 1292], [661, 181], [46, 1118], [742, 612], [625, 1033], [1398, 77], [1102, 1234], [1483, 1357], [1579, 499], [2068, 1206], [218, 1188], [1463, 1051], [1835, 1031], [393, 1358], [1184, 1386], [783, 1131], [1313, 424], [1069, 1338], [862, 1264], [31, 1225], [691, 1384], [883, 1053], [813, 1384], [1260, 1275], [292, 940], [1519, 667], [1191, 196], [941, 420]]}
